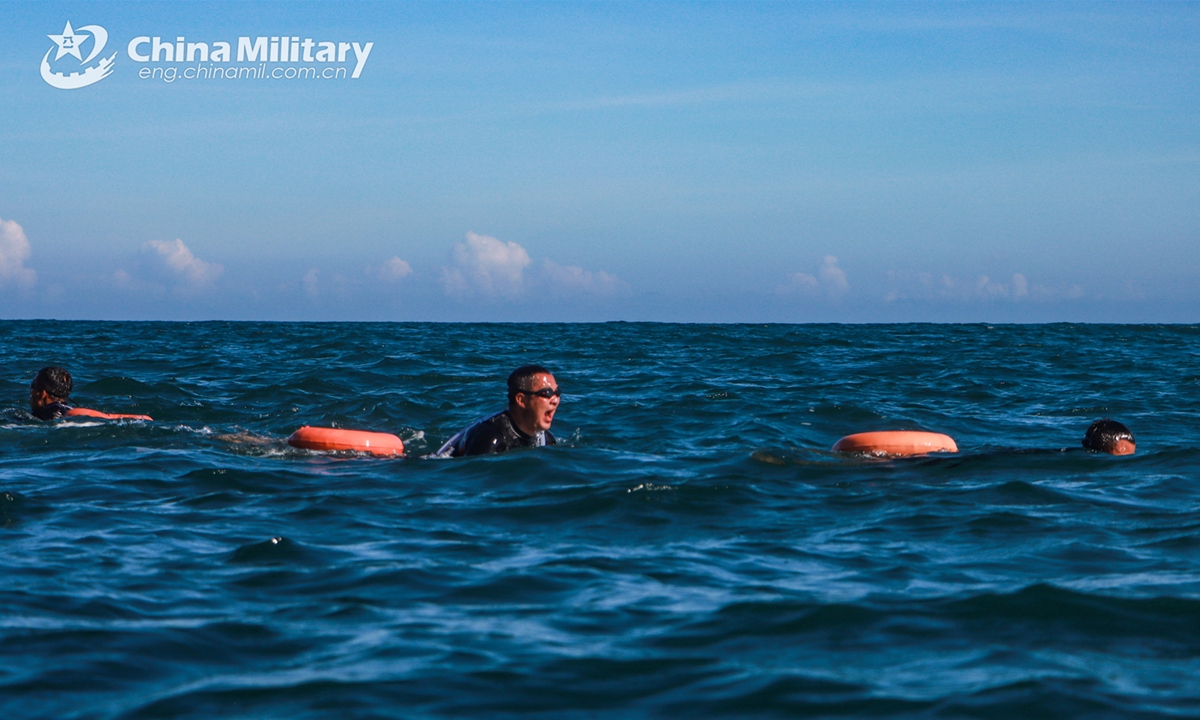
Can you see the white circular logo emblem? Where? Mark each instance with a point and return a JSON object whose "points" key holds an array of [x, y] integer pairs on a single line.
{"points": [[69, 43]]}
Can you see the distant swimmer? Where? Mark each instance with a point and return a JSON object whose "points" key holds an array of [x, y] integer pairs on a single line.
{"points": [[533, 397], [1109, 436], [49, 392], [48, 395]]}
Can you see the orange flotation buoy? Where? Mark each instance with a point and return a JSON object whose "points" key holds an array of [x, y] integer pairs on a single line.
{"points": [[88, 412], [317, 438], [896, 442]]}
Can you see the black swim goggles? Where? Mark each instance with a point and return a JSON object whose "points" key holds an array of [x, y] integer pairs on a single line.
{"points": [[544, 393]]}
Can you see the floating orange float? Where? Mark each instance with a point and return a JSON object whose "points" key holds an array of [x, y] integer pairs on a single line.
{"points": [[896, 442], [88, 412], [318, 438]]}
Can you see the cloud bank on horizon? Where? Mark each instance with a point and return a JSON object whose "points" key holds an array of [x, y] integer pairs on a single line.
{"points": [[484, 269], [815, 162]]}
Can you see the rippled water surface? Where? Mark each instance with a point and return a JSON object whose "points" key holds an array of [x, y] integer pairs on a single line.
{"points": [[691, 549]]}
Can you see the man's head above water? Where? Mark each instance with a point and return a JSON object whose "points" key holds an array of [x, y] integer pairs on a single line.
{"points": [[533, 398], [52, 385], [1109, 436]]}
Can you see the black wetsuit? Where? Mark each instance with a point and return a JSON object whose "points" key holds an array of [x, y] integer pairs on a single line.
{"points": [[52, 411], [493, 434]]}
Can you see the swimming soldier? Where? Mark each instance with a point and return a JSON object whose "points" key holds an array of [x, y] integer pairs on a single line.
{"points": [[1109, 436], [48, 393], [533, 397]]}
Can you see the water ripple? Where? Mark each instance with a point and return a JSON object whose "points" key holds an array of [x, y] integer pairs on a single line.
{"points": [[691, 548]]}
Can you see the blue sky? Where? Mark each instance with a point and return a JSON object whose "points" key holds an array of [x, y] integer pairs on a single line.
{"points": [[782, 162]]}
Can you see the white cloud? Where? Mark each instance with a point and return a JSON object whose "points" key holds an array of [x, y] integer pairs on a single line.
{"points": [[486, 266], [574, 279], [830, 280], [395, 269], [985, 287], [833, 278], [923, 286], [176, 259], [489, 268], [319, 285], [801, 283], [14, 251], [311, 287]]}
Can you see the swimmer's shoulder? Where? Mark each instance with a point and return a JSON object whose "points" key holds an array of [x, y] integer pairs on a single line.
{"points": [[53, 411], [488, 436]]}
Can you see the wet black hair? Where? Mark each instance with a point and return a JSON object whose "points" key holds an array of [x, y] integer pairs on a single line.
{"points": [[55, 381], [519, 380], [1103, 435]]}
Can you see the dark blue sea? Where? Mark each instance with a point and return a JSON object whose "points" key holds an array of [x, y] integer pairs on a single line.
{"points": [[691, 548]]}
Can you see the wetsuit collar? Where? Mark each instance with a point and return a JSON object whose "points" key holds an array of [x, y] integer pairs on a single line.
{"points": [[513, 424]]}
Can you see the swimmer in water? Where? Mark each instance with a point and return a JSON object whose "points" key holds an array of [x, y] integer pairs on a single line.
{"points": [[533, 398], [48, 393], [1109, 436], [1104, 436]]}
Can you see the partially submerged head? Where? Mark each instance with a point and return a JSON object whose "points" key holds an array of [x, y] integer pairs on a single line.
{"points": [[52, 385], [533, 397], [1109, 436]]}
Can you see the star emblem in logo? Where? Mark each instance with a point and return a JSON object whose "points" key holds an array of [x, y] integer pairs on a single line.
{"points": [[68, 43], [71, 43]]}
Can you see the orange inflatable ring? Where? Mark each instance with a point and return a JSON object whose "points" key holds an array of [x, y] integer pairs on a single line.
{"points": [[896, 442], [317, 438], [88, 412]]}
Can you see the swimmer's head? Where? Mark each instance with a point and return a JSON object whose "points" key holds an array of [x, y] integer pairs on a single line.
{"points": [[533, 398], [52, 385], [1109, 436]]}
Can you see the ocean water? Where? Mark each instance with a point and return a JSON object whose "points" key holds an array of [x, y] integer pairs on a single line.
{"points": [[692, 548]]}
